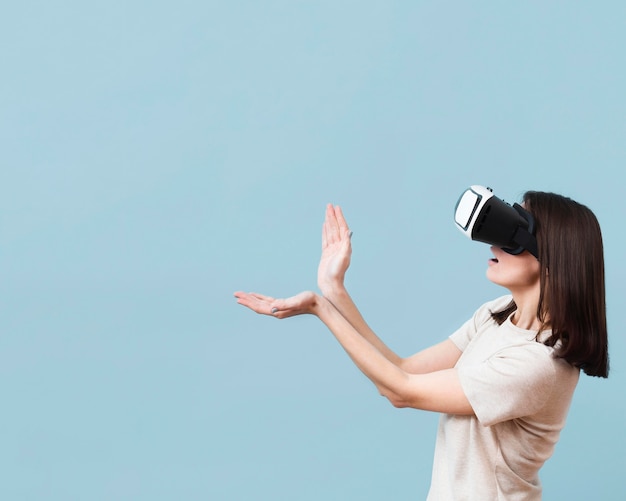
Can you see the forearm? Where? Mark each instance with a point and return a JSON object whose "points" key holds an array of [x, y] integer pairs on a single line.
{"points": [[341, 300], [367, 356], [439, 391]]}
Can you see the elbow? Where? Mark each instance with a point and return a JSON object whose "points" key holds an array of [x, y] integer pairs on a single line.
{"points": [[399, 403], [395, 399], [400, 393]]}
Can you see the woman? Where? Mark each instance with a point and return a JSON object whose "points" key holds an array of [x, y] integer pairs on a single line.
{"points": [[503, 381]]}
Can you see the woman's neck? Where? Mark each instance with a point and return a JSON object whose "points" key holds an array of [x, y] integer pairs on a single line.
{"points": [[525, 317], [526, 320]]}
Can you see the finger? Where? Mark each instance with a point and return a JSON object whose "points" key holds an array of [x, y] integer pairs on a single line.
{"points": [[342, 231], [245, 296], [333, 227], [347, 236], [325, 230], [269, 299], [255, 304], [285, 304], [254, 296], [329, 234], [289, 307], [251, 295], [341, 220]]}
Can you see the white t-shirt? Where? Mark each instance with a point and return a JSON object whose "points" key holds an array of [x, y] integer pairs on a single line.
{"points": [[520, 393]]}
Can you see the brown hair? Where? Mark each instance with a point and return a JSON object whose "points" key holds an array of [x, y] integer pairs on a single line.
{"points": [[572, 298]]}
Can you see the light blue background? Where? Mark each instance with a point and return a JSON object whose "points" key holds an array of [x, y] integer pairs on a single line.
{"points": [[157, 156]]}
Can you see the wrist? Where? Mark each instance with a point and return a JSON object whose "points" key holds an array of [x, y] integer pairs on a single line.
{"points": [[318, 304], [333, 289]]}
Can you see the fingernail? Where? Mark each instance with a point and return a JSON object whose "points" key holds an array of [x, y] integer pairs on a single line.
{"points": [[350, 235], [274, 310]]}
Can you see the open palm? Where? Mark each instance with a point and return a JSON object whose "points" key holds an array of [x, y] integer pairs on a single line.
{"points": [[336, 249], [300, 304]]}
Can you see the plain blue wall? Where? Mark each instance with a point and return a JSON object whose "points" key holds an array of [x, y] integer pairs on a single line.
{"points": [[158, 156]]}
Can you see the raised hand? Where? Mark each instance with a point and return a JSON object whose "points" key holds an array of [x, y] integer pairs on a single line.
{"points": [[300, 304], [336, 250]]}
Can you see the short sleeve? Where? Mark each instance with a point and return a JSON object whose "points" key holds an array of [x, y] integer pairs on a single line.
{"points": [[514, 382], [464, 334]]}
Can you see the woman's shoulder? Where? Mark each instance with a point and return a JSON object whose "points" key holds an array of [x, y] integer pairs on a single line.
{"points": [[479, 321], [499, 302], [484, 311]]}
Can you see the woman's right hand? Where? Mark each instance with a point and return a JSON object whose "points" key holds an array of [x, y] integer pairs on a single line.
{"points": [[336, 250]]}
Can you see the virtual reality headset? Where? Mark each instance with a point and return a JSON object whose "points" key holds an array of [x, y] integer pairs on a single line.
{"points": [[486, 218]]}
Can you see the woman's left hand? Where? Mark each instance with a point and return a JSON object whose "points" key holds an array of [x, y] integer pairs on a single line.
{"points": [[300, 304]]}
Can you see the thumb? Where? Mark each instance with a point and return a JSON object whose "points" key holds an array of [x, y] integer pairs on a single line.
{"points": [[278, 305]]}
